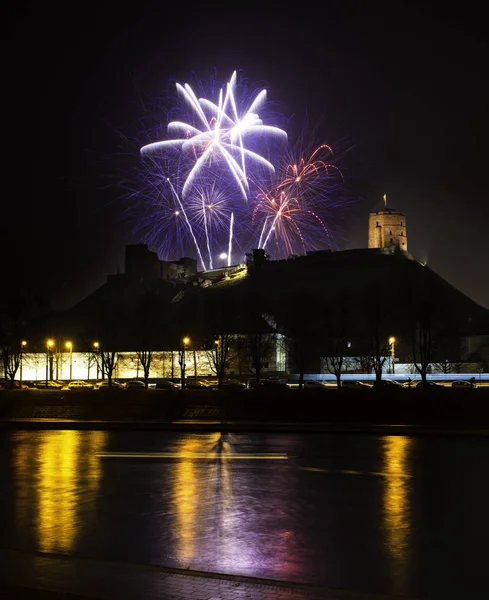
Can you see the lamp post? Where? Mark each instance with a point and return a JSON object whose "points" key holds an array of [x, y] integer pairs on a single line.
{"points": [[49, 345], [69, 345], [185, 343], [23, 344], [392, 342], [216, 362], [96, 347]]}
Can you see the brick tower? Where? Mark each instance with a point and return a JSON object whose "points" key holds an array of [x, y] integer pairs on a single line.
{"points": [[387, 229]]}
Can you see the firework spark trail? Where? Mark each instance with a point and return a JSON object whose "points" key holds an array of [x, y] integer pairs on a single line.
{"points": [[230, 247], [206, 233], [188, 223]]}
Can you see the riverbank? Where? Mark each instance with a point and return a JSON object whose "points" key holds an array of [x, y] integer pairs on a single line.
{"points": [[408, 411]]}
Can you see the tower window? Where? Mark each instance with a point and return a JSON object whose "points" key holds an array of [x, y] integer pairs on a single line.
{"points": [[377, 223], [401, 233], [390, 233], [402, 224], [392, 240]]}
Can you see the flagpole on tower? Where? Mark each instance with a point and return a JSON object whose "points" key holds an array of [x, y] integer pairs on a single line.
{"points": [[385, 200]]}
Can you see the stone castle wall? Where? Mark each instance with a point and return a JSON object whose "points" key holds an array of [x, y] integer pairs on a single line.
{"points": [[387, 228]]}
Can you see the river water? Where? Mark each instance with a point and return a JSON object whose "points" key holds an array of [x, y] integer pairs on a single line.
{"points": [[380, 514]]}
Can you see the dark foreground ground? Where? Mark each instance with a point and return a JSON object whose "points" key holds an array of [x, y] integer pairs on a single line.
{"points": [[443, 409]]}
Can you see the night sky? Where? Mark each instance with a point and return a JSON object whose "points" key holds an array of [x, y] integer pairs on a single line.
{"points": [[404, 85]]}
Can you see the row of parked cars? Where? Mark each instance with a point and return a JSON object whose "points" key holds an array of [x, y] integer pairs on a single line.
{"points": [[239, 385]]}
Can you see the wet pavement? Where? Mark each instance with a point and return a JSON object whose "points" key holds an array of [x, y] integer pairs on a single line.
{"points": [[115, 581]]}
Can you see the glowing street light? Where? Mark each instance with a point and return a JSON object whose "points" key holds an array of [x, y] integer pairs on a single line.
{"points": [[23, 344], [392, 342], [69, 345]]}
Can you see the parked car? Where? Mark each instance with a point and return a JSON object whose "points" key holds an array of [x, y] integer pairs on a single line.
{"points": [[192, 384], [79, 385], [314, 385], [429, 385], [230, 384], [391, 384], [355, 385], [30, 384], [272, 384], [104, 384], [51, 385], [167, 385], [134, 385], [464, 384]]}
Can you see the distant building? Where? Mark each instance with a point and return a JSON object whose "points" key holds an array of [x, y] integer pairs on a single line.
{"points": [[387, 229], [141, 263]]}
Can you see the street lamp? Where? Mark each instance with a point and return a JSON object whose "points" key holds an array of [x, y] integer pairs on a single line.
{"points": [[23, 344], [392, 342], [185, 343], [49, 346], [69, 345], [96, 347]]}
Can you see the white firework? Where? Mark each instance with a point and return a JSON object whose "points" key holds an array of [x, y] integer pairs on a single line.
{"points": [[221, 135]]}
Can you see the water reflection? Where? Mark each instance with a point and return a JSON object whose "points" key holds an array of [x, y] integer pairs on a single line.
{"points": [[66, 471], [397, 507], [220, 521]]}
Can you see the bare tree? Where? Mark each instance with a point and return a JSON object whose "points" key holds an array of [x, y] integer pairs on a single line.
{"points": [[108, 343], [145, 358], [12, 323], [90, 361], [427, 332], [11, 354], [377, 334], [107, 360], [256, 350], [296, 318], [335, 357], [220, 354], [335, 337], [423, 343]]}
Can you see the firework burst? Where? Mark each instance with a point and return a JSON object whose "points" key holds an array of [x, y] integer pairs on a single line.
{"points": [[225, 181], [219, 134], [292, 213]]}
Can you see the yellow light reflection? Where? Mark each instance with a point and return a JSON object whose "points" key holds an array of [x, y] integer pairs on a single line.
{"points": [[185, 498], [192, 494], [64, 469], [397, 508]]}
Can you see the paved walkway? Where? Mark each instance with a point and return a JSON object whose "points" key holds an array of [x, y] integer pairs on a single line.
{"points": [[54, 577]]}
